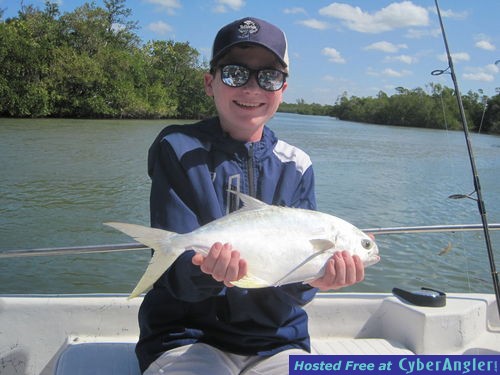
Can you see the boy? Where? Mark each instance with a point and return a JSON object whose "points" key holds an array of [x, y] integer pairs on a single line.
{"points": [[194, 321]]}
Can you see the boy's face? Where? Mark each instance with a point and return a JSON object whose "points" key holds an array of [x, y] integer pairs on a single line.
{"points": [[244, 110]]}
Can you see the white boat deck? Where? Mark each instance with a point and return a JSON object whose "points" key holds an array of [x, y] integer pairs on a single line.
{"points": [[96, 334]]}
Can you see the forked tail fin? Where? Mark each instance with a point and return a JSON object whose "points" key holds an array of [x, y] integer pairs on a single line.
{"points": [[164, 255]]}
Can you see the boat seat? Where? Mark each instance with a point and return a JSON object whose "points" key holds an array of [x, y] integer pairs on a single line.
{"points": [[348, 346], [98, 358], [118, 358]]}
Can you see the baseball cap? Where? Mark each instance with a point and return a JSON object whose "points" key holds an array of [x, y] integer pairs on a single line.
{"points": [[251, 30]]}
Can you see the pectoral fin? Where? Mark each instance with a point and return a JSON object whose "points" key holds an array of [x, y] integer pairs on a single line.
{"points": [[320, 245], [250, 281]]}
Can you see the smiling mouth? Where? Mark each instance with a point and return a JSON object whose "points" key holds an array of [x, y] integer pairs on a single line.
{"points": [[248, 105]]}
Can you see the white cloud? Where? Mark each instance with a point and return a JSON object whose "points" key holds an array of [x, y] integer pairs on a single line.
{"points": [[394, 73], [457, 56], [160, 28], [484, 74], [479, 76], [492, 68], [484, 44], [393, 16], [169, 5], [333, 55], [386, 47], [402, 58], [388, 72], [314, 24], [448, 13], [223, 6], [295, 10], [421, 33]]}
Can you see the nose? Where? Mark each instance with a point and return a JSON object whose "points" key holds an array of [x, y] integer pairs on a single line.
{"points": [[252, 83]]}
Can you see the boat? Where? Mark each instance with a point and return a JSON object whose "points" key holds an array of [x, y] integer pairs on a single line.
{"points": [[91, 334], [96, 333]]}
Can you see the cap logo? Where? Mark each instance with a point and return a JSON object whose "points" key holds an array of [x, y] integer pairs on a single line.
{"points": [[247, 28]]}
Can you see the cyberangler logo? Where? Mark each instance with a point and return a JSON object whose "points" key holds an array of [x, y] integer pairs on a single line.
{"points": [[247, 28]]}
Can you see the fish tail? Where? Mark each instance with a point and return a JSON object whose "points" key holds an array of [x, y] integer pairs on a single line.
{"points": [[164, 254]]}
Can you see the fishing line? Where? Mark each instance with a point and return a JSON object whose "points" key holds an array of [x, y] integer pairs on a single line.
{"points": [[477, 186], [449, 144], [462, 250], [485, 105], [444, 111]]}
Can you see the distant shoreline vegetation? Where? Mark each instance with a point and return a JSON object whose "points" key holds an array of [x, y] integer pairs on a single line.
{"points": [[90, 63], [412, 108]]}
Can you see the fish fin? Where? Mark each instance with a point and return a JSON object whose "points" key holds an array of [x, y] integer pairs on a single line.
{"points": [[321, 244], [163, 256], [249, 203], [151, 237], [250, 281], [200, 249]]}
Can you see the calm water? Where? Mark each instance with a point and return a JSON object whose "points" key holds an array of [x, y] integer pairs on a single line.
{"points": [[60, 179]]}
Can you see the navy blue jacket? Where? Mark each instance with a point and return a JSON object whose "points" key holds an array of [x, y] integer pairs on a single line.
{"points": [[191, 168]]}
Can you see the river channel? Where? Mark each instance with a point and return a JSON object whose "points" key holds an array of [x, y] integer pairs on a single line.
{"points": [[61, 179]]}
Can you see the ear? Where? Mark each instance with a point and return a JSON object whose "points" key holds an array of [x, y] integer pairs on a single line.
{"points": [[285, 85], [207, 81]]}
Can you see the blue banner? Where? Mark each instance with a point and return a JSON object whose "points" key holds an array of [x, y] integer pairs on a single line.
{"points": [[393, 364]]}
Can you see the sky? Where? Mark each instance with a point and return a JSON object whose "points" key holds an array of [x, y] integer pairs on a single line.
{"points": [[353, 47]]}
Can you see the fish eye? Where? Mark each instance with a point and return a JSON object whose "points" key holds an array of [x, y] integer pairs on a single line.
{"points": [[367, 244]]}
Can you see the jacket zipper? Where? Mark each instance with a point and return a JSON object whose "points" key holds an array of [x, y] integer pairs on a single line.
{"points": [[250, 171]]}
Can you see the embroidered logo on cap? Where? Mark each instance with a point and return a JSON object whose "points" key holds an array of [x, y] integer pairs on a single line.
{"points": [[247, 28]]}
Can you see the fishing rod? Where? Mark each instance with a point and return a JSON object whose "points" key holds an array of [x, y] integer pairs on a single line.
{"points": [[477, 185], [138, 246], [430, 229]]}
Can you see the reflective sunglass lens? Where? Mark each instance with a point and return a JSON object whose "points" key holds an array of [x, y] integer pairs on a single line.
{"points": [[234, 75], [267, 79], [270, 79]]}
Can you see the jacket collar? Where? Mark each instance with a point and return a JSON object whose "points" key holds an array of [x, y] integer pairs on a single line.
{"points": [[223, 142]]}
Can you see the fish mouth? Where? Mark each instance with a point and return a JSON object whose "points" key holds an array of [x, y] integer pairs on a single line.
{"points": [[373, 260]]}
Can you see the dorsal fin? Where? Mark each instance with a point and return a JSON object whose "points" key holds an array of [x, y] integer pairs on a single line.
{"points": [[249, 203]]}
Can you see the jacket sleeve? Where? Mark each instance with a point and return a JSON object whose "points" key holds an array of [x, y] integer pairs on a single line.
{"points": [[305, 196], [170, 201]]}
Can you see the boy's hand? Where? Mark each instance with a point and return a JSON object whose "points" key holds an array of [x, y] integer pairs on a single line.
{"points": [[341, 270], [222, 263]]}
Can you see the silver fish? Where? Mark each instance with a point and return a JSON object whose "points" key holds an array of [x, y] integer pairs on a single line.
{"points": [[281, 245]]}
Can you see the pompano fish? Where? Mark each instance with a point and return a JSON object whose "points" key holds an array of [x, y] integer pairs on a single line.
{"points": [[281, 245]]}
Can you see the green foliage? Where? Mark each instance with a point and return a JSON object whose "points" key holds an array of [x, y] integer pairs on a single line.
{"points": [[302, 108], [413, 108], [89, 63], [491, 123], [26, 52]]}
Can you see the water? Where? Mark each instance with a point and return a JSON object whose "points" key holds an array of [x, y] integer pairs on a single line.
{"points": [[61, 179]]}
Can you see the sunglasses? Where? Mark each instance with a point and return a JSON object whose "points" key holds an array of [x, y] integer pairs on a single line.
{"points": [[237, 75]]}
